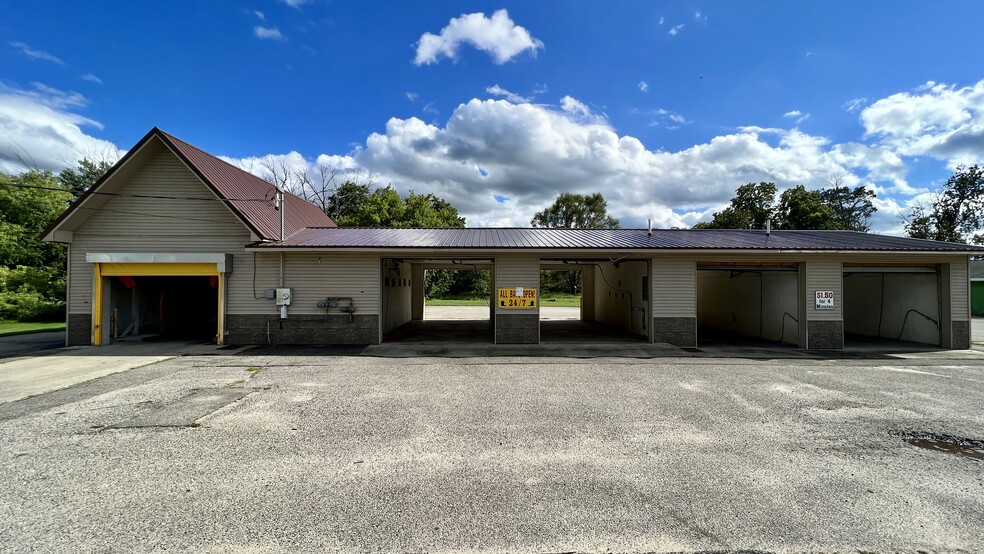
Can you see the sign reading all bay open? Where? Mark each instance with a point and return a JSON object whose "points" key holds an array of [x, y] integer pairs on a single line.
{"points": [[517, 298]]}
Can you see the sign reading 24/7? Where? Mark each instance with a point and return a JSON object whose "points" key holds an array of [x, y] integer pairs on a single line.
{"points": [[517, 298], [825, 300]]}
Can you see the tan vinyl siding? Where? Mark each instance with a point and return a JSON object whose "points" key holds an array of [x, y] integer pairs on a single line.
{"points": [[959, 290], [79, 280], [517, 271], [312, 281], [674, 288], [128, 224], [194, 211], [824, 275], [243, 288]]}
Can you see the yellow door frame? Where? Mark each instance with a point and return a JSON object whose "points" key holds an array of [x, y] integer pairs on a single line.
{"points": [[152, 269]]}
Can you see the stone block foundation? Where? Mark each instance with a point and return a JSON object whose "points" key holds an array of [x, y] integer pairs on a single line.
{"points": [[960, 330], [302, 329], [79, 329], [678, 331], [517, 328], [825, 335]]}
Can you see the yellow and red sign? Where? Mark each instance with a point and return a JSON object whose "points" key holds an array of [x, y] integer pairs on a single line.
{"points": [[517, 298]]}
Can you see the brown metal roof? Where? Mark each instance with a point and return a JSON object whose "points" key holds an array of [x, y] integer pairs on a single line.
{"points": [[609, 239], [243, 192], [249, 197]]}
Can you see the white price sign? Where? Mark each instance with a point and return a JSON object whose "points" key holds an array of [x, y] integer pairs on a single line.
{"points": [[825, 300]]}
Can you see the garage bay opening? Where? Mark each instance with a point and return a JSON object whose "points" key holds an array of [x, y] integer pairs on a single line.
{"points": [[170, 308], [437, 300], [891, 304], [594, 301], [744, 304]]}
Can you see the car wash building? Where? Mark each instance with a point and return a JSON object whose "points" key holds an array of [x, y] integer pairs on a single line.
{"points": [[173, 241]]}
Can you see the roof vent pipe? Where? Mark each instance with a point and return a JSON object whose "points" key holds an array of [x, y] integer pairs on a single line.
{"points": [[650, 227], [768, 226]]}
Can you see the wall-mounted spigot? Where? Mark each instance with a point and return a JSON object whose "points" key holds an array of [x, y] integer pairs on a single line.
{"points": [[335, 303]]}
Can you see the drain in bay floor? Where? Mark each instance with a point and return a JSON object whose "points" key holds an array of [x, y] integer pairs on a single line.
{"points": [[941, 442]]}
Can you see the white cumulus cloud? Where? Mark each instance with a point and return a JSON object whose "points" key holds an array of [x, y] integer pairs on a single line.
{"points": [[643, 86], [938, 120], [92, 78], [498, 36], [675, 30], [531, 153], [41, 130]]}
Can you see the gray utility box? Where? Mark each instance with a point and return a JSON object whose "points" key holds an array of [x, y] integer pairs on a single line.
{"points": [[283, 297]]}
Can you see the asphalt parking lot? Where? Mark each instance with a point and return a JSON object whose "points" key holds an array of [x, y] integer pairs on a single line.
{"points": [[268, 452]]}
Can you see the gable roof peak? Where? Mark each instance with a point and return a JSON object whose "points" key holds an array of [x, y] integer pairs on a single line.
{"points": [[249, 197]]}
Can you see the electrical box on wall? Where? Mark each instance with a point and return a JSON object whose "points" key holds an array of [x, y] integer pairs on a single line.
{"points": [[283, 297]]}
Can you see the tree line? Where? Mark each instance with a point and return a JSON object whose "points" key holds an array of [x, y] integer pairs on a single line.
{"points": [[32, 272], [956, 213], [755, 205]]}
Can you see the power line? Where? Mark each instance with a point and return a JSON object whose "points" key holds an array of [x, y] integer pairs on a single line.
{"points": [[145, 214], [128, 195]]}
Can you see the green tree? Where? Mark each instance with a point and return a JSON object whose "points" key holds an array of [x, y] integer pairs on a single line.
{"points": [[32, 272], [386, 208], [344, 202], [752, 206], [835, 207], [353, 205], [28, 203], [957, 213], [576, 211], [852, 208], [803, 209], [572, 211], [79, 179]]}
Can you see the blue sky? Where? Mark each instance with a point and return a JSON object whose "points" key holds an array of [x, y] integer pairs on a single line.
{"points": [[664, 107]]}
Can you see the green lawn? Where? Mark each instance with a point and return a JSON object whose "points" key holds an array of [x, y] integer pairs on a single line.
{"points": [[8, 327], [561, 300], [456, 302]]}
